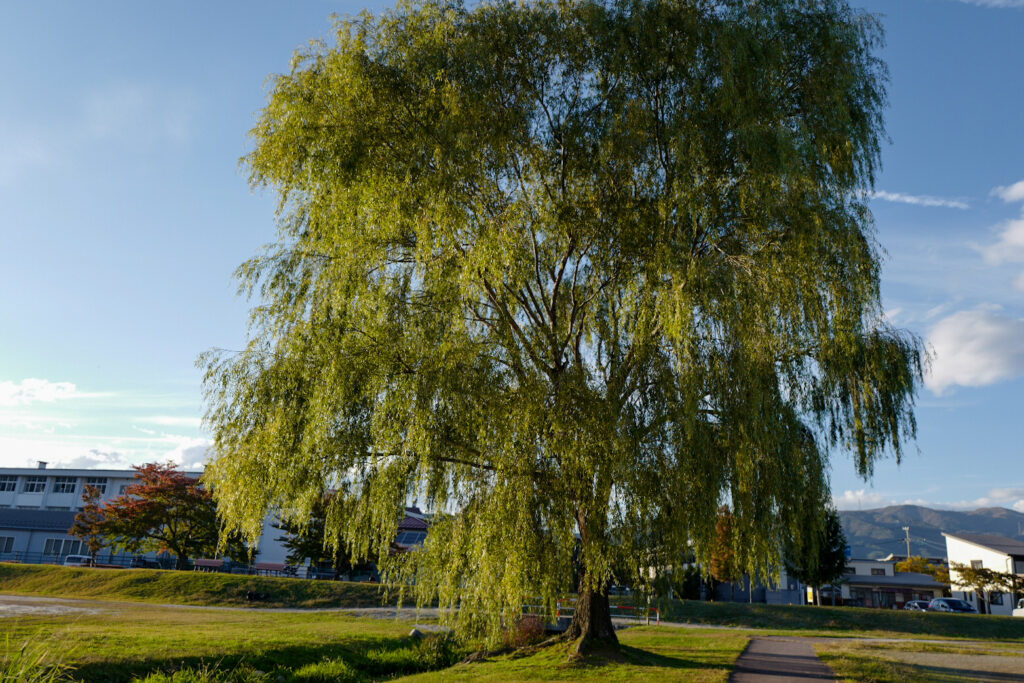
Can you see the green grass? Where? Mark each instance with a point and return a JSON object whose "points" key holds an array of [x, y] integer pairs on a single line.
{"points": [[164, 643], [651, 653], [188, 645], [182, 588], [880, 663], [845, 621]]}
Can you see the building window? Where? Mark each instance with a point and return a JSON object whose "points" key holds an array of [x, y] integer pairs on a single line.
{"points": [[124, 487], [995, 598], [61, 546], [877, 571], [851, 570], [34, 485], [412, 537], [8, 483], [977, 564], [65, 484], [6, 544], [100, 483]]}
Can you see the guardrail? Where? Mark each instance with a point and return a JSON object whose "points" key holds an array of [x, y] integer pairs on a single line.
{"points": [[567, 608]]}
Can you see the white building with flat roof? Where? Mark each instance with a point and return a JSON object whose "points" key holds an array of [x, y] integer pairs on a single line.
{"points": [[38, 506]]}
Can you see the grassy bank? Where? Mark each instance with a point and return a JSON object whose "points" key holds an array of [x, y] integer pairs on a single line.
{"points": [[182, 588], [839, 621]]}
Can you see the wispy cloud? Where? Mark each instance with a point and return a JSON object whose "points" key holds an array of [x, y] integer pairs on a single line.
{"points": [[920, 200], [34, 390], [862, 499], [139, 113], [996, 3], [137, 116], [975, 348], [171, 421], [1009, 247]]}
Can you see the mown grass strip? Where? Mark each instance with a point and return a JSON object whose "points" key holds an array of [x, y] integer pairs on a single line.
{"points": [[844, 621]]}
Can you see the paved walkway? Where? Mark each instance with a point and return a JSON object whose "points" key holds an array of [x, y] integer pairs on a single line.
{"points": [[773, 660]]}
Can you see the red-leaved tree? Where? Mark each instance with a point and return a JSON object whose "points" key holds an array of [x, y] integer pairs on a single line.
{"points": [[166, 510]]}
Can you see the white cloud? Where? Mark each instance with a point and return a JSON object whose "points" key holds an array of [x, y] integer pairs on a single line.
{"points": [[95, 459], [1018, 282], [1011, 497], [920, 200], [1010, 193], [190, 454], [171, 421], [35, 390], [975, 348], [856, 500], [1010, 246]]}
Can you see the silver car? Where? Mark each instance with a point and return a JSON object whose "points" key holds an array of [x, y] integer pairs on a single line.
{"points": [[951, 605]]}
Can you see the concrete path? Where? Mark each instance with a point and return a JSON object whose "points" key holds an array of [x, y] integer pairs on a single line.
{"points": [[773, 660]]}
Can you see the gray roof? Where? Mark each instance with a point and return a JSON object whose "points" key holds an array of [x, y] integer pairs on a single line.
{"points": [[37, 520], [1002, 544], [900, 580]]}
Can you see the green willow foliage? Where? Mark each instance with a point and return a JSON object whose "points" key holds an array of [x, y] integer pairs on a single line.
{"points": [[575, 273]]}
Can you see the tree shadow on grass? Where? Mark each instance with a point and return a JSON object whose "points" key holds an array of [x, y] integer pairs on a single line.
{"points": [[636, 656], [370, 657]]}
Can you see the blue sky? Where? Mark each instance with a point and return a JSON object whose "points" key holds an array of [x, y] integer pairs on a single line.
{"points": [[123, 213]]}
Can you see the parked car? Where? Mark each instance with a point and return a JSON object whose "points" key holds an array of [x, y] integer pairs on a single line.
{"points": [[950, 605], [1019, 611], [140, 562], [917, 605], [78, 561]]}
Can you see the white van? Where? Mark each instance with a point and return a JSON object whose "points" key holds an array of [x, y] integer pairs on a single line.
{"points": [[1019, 612], [77, 561]]}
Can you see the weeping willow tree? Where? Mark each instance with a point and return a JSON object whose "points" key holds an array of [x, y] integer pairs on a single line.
{"points": [[574, 274]]}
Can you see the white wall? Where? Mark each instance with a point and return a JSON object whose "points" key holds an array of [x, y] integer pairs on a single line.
{"points": [[965, 552]]}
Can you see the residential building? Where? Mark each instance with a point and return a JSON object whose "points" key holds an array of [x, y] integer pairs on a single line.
{"points": [[989, 551], [876, 583]]}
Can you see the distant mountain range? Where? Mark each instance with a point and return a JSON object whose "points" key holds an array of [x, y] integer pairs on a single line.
{"points": [[876, 533]]}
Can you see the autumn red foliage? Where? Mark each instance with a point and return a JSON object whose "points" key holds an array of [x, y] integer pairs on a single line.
{"points": [[166, 510]]}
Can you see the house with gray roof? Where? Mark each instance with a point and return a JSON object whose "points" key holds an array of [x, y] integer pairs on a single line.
{"points": [[989, 551]]}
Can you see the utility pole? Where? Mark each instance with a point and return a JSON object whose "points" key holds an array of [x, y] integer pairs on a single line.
{"points": [[907, 530]]}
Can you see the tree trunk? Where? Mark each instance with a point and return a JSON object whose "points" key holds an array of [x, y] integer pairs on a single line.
{"points": [[591, 629]]}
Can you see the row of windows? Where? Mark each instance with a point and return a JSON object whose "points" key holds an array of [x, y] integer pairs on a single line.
{"points": [[875, 571], [61, 546], [9, 482], [53, 546]]}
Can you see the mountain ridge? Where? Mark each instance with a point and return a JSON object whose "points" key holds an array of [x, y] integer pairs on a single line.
{"points": [[878, 532]]}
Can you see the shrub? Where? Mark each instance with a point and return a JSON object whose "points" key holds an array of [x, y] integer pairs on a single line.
{"points": [[527, 631]]}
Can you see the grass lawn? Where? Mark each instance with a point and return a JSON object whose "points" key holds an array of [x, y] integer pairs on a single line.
{"points": [[121, 643], [137, 642], [845, 621], [648, 653], [911, 662], [182, 588]]}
